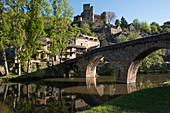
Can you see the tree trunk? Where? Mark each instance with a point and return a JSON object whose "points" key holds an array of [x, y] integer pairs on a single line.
{"points": [[19, 93], [4, 98], [59, 69], [52, 66], [5, 63], [19, 68], [28, 67], [28, 91]]}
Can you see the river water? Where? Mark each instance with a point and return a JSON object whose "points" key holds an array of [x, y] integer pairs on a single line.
{"points": [[68, 95]]}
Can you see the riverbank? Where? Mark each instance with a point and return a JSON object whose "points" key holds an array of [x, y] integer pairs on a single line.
{"points": [[154, 100]]}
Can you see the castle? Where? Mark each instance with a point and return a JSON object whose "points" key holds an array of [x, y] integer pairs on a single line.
{"points": [[88, 15]]}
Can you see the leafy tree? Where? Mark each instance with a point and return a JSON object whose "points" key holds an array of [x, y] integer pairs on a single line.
{"points": [[85, 28], [117, 22], [154, 24], [111, 16], [166, 24], [121, 38], [34, 28], [145, 27], [154, 29], [124, 23], [61, 31], [133, 36], [166, 29], [4, 34], [136, 24], [17, 17], [152, 60]]}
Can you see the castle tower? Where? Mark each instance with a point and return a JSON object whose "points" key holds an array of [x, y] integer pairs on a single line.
{"points": [[88, 13], [104, 17]]}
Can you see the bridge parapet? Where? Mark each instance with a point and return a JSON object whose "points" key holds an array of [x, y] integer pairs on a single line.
{"points": [[125, 57]]}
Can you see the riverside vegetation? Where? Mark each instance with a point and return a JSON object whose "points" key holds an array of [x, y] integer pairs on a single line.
{"points": [[155, 100]]}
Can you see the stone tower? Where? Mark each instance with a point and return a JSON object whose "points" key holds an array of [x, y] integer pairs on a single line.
{"points": [[88, 13], [104, 17]]}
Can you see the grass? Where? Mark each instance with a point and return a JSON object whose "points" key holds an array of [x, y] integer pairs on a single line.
{"points": [[155, 100], [167, 82]]}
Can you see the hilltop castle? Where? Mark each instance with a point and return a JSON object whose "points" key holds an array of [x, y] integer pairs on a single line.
{"points": [[88, 15]]}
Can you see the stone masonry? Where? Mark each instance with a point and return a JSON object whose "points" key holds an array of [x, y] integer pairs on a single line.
{"points": [[125, 57]]}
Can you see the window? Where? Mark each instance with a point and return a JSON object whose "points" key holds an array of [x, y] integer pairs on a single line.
{"points": [[91, 38]]}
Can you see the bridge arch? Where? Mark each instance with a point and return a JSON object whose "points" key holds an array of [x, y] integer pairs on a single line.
{"points": [[124, 57], [138, 58]]}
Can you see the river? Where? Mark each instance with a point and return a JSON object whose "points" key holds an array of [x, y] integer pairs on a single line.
{"points": [[69, 94]]}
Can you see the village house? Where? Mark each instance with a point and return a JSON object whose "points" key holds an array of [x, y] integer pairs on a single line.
{"points": [[80, 45]]}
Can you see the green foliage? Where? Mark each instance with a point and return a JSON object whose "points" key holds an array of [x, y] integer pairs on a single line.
{"points": [[145, 27], [136, 24], [57, 106], [117, 22], [166, 29], [133, 35], [121, 38], [25, 106], [155, 100], [124, 23], [154, 29], [153, 61], [61, 32], [107, 71], [167, 24]]}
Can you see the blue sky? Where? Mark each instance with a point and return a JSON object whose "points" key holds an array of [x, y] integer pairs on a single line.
{"points": [[144, 10]]}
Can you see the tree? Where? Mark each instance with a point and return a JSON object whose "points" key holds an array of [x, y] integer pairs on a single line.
{"points": [[17, 10], [121, 38], [154, 24], [85, 28], [4, 34], [34, 28], [145, 27], [166, 24], [61, 31], [136, 24], [124, 23], [152, 60], [117, 22], [133, 36], [166, 29], [111, 16], [154, 29]]}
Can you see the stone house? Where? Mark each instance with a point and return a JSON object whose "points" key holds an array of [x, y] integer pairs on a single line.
{"points": [[115, 29], [80, 45], [131, 27], [75, 48]]}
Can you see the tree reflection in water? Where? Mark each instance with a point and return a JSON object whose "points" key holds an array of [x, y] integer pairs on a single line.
{"points": [[64, 97]]}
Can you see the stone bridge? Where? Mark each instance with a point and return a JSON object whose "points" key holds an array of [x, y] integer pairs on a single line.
{"points": [[125, 57]]}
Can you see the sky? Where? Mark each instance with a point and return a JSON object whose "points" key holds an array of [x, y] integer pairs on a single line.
{"points": [[144, 10]]}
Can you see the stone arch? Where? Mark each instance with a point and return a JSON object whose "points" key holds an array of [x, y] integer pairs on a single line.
{"points": [[137, 59], [91, 67]]}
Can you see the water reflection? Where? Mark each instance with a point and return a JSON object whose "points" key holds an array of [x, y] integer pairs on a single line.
{"points": [[66, 97]]}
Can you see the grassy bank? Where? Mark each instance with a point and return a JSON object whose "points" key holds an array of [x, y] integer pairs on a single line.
{"points": [[155, 100]]}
